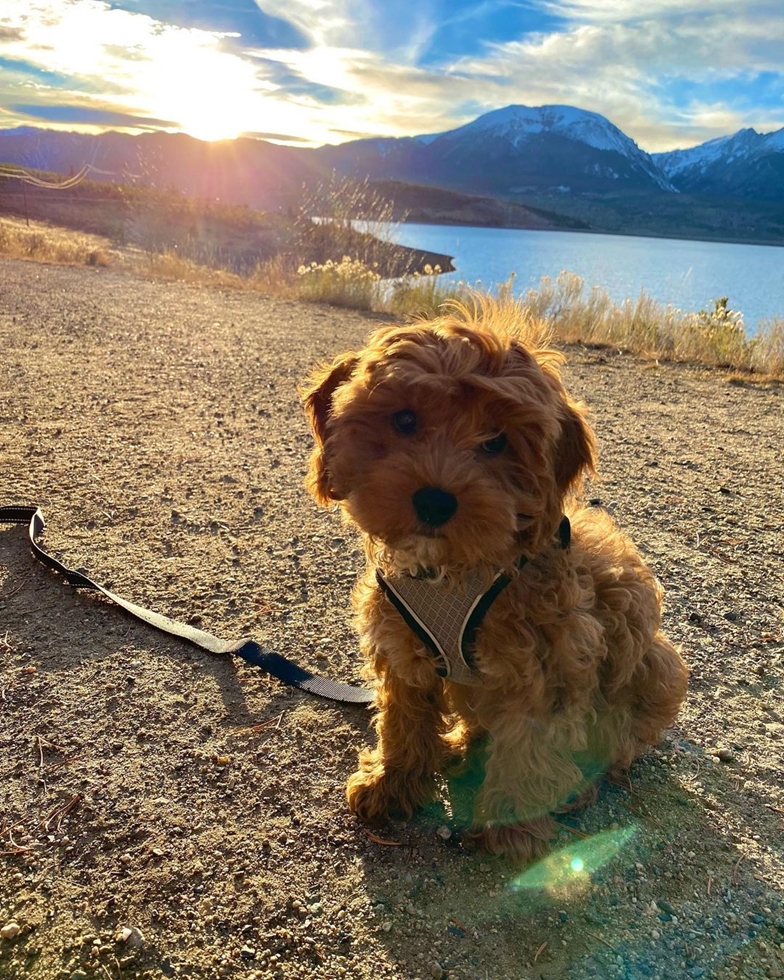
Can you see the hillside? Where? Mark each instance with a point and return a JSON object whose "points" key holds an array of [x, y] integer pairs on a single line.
{"points": [[439, 206], [210, 233]]}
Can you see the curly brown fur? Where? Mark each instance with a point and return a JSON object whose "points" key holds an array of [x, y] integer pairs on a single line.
{"points": [[573, 665]]}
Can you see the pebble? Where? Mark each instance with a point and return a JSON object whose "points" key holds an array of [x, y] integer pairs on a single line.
{"points": [[10, 930], [130, 935], [725, 754]]}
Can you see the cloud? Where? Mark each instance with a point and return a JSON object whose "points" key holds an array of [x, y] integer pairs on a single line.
{"points": [[635, 70], [244, 19], [293, 83], [641, 63], [95, 117], [141, 65], [668, 72]]}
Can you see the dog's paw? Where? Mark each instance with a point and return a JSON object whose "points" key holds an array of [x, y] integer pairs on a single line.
{"points": [[519, 843], [581, 798], [376, 794]]}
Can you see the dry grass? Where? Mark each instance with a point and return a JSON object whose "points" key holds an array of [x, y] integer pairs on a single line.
{"points": [[573, 313], [63, 246], [423, 295], [347, 283], [57, 245], [645, 326], [170, 265]]}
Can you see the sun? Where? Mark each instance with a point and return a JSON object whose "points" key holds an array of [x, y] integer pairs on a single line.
{"points": [[210, 108], [211, 128], [199, 88]]}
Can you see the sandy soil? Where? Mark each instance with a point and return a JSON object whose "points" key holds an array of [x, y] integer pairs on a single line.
{"points": [[169, 813]]}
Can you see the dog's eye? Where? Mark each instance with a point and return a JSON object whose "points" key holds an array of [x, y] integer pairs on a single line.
{"points": [[405, 422], [495, 445]]}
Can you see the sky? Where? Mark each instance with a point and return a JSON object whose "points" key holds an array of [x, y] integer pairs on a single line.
{"points": [[669, 73]]}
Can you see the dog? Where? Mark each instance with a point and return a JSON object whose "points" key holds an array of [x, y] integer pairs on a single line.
{"points": [[454, 448]]}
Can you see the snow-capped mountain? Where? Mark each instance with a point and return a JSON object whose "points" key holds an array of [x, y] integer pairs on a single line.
{"points": [[547, 148], [747, 164], [517, 123], [567, 159]]}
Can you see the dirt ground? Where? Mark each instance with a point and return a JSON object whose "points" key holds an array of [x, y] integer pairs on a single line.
{"points": [[168, 813]]}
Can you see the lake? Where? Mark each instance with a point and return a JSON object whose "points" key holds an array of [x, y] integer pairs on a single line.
{"points": [[687, 274]]}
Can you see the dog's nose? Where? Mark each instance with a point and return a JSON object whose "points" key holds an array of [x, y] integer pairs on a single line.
{"points": [[433, 505]]}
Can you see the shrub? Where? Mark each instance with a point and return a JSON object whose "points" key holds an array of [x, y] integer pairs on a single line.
{"points": [[346, 283]]}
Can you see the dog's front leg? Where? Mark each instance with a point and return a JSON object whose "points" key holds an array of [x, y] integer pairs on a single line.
{"points": [[398, 776], [528, 774]]}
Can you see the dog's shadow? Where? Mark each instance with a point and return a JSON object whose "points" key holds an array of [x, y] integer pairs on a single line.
{"points": [[647, 869]]}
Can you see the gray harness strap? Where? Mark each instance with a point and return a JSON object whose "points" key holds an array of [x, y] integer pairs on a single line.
{"points": [[446, 619]]}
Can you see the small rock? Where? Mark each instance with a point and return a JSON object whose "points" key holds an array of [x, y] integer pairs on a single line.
{"points": [[725, 754], [10, 930], [130, 935], [444, 832], [248, 953]]}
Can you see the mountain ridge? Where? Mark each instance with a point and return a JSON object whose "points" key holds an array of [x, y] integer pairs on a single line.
{"points": [[559, 158]]}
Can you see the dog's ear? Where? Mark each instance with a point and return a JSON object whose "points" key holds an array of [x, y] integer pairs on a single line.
{"points": [[317, 396], [575, 449]]}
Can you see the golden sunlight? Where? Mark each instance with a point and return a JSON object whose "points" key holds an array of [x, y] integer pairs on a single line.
{"points": [[206, 93]]}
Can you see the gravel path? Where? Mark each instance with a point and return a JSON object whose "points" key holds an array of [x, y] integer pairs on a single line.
{"points": [[167, 813]]}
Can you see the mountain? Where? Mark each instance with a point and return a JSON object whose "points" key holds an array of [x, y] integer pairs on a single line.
{"points": [[510, 151], [747, 164], [243, 171], [562, 166]]}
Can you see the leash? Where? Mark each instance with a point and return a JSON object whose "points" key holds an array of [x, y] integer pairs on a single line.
{"points": [[249, 650]]}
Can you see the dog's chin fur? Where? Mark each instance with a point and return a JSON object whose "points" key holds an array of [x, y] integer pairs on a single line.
{"points": [[576, 677]]}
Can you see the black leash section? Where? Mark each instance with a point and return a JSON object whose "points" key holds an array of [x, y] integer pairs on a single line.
{"points": [[250, 651]]}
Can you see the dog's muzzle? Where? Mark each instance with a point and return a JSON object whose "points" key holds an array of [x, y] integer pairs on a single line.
{"points": [[434, 506]]}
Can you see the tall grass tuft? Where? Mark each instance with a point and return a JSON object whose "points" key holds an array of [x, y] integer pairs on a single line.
{"points": [[645, 326], [347, 283], [423, 295], [44, 244]]}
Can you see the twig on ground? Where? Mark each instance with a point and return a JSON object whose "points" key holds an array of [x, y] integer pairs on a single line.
{"points": [[60, 812], [593, 935], [22, 584], [572, 830], [380, 840]]}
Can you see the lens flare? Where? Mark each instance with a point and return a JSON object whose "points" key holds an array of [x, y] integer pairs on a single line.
{"points": [[570, 868]]}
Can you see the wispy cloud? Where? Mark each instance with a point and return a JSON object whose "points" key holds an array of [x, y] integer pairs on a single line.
{"points": [[668, 72]]}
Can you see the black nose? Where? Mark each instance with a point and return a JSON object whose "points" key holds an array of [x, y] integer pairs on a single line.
{"points": [[433, 505]]}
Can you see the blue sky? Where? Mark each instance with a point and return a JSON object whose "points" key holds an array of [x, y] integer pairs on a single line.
{"points": [[669, 73]]}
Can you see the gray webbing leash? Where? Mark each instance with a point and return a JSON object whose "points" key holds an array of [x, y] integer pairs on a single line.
{"points": [[249, 650]]}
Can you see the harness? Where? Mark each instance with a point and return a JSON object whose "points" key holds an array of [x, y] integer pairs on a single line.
{"points": [[446, 619]]}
